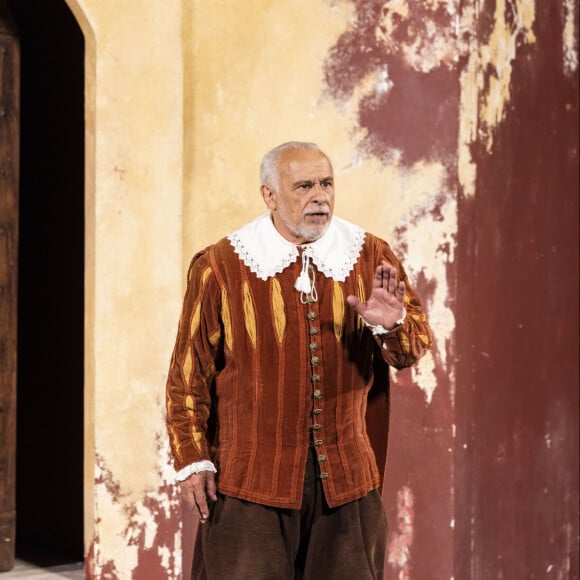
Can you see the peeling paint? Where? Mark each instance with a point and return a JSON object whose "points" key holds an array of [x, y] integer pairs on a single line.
{"points": [[399, 55], [401, 541], [569, 40], [425, 377], [439, 59], [424, 33], [106, 568], [151, 536], [485, 79], [426, 237]]}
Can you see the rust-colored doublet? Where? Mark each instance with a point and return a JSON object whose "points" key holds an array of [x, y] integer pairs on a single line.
{"points": [[256, 375]]}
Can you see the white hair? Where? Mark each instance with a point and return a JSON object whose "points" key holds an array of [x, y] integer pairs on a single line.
{"points": [[269, 165]]}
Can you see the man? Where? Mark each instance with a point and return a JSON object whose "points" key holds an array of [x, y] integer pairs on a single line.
{"points": [[269, 378]]}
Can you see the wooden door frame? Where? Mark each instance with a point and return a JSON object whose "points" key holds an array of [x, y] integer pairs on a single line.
{"points": [[9, 167]]}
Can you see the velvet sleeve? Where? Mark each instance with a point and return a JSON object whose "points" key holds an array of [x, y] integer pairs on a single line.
{"points": [[192, 367]]}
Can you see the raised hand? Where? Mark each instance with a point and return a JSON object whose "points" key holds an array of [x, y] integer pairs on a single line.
{"points": [[385, 304]]}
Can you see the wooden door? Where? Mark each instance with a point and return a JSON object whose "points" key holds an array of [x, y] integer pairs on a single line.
{"points": [[9, 148]]}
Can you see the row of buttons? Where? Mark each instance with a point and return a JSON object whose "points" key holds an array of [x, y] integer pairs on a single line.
{"points": [[316, 393]]}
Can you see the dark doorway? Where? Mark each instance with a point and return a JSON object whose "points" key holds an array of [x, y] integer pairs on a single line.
{"points": [[49, 478]]}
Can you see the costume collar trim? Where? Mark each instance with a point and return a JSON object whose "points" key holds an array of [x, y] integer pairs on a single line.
{"points": [[267, 253]]}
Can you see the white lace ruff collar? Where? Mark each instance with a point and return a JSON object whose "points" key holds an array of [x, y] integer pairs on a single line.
{"points": [[267, 253]]}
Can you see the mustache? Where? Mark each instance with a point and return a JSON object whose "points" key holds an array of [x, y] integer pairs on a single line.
{"points": [[322, 209]]}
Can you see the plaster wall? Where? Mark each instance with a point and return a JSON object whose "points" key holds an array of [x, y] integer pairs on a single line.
{"points": [[134, 172], [182, 101]]}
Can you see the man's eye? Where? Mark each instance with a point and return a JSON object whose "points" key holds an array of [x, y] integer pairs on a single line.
{"points": [[327, 184], [305, 186]]}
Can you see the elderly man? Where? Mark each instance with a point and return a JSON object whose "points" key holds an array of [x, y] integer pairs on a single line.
{"points": [[268, 384]]}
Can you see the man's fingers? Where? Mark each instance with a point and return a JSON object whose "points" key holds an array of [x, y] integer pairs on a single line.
{"points": [[201, 502], [187, 495], [401, 290], [390, 279], [386, 277], [378, 277], [211, 487]]}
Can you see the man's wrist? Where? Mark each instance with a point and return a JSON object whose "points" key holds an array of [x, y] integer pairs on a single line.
{"points": [[378, 329]]}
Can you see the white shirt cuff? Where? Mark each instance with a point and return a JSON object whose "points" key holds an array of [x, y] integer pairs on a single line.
{"points": [[377, 329], [196, 467]]}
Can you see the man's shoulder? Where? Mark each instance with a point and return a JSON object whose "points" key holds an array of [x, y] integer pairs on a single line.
{"points": [[373, 239], [209, 257], [214, 252], [219, 247], [374, 244], [376, 249]]}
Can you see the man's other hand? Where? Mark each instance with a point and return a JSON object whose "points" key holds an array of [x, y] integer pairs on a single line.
{"points": [[196, 490]]}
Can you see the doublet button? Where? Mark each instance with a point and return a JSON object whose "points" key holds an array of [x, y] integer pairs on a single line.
{"points": [[317, 411], [322, 457], [314, 330], [317, 394], [315, 378], [324, 475], [311, 315], [315, 360], [309, 300], [317, 442], [313, 346], [316, 426]]}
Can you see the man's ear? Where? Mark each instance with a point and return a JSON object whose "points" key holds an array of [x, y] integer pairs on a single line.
{"points": [[269, 196]]}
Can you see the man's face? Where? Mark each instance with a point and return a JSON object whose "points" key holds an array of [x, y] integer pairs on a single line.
{"points": [[303, 201]]}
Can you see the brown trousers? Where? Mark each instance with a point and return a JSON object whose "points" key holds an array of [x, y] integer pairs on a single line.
{"points": [[248, 541]]}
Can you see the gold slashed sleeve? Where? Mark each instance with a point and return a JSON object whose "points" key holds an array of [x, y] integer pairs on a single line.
{"points": [[192, 366]]}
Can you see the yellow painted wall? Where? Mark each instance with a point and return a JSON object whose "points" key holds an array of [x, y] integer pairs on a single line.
{"points": [[134, 168]]}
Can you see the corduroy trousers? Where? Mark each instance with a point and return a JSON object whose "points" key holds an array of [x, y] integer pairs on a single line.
{"points": [[248, 541]]}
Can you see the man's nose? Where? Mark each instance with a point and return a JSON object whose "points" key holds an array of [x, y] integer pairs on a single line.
{"points": [[320, 194]]}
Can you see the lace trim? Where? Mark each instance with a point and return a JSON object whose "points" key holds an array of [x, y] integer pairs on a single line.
{"points": [[196, 467], [262, 249], [340, 273], [252, 262]]}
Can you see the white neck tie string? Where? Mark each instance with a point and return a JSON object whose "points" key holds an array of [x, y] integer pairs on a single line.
{"points": [[304, 283]]}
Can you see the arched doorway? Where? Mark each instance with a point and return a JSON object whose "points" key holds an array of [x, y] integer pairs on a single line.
{"points": [[49, 488]]}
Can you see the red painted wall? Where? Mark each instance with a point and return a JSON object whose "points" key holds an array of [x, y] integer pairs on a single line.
{"points": [[500, 499], [516, 480]]}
